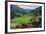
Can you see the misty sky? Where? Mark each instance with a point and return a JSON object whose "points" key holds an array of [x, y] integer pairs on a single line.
{"points": [[28, 7]]}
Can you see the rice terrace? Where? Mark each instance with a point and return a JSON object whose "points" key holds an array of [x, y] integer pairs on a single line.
{"points": [[25, 16]]}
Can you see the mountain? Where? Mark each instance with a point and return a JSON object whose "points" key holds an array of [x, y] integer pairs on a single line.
{"points": [[17, 10], [37, 11]]}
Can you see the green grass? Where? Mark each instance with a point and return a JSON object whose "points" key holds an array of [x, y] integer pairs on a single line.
{"points": [[22, 19]]}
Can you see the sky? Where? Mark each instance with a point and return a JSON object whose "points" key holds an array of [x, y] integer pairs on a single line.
{"points": [[28, 7]]}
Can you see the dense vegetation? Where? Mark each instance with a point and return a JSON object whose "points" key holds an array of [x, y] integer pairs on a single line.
{"points": [[20, 16]]}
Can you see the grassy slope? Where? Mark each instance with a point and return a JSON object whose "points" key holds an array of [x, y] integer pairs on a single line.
{"points": [[23, 19]]}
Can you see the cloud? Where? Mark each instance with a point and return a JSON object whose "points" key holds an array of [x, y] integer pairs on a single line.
{"points": [[28, 6]]}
